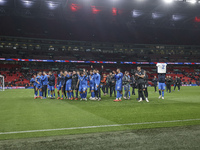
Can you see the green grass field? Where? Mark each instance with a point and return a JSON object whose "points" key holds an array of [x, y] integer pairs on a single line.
{"points": [[20, 112]]}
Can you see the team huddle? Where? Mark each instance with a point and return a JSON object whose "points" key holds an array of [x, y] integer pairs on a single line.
{"points": [[74, 85]]}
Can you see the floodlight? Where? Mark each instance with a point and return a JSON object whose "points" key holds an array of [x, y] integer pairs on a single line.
{"points": [[136, 13], [168, 1], [191, 1]]}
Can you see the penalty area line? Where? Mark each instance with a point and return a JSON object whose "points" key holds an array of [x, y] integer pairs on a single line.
{"points": [[100, 126]]}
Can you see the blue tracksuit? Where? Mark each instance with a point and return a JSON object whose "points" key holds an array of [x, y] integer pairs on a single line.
{"points": [[60, 81], [68, 83], [39, 79], [118, 79], [82, 83], [44, 80], [92, 82], [33, 82], [97, 80]]}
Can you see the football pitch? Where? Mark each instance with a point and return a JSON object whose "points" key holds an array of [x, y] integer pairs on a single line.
{"points": [[22, 117]]}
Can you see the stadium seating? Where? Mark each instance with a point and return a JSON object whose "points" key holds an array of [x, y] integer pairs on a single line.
{"points": [[17, 74]]}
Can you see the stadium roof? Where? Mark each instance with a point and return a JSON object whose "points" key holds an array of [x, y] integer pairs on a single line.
{"points": [[156, 13]]}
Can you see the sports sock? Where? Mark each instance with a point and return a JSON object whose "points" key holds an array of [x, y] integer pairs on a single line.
{"points": [[36, 93], [95, 92], [54, 94], [117, 94], [58, 94], [159, 92], [67, 94], [120, 95], [81, 95], [141, 94], [76, 94], [129, 93], [51, 95], [40, 93], [146, 93], [72, 93], [92, 94], [45, 93], [162, 93], [48, 92], [62, 95]]}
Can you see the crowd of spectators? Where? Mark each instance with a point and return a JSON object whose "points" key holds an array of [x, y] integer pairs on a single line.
{"points": [[20, 75]]}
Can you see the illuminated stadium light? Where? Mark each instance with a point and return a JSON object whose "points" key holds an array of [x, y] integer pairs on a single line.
{"points": [[74, 7], [95, 10], [156, 15], [52, 5], [136, 13], [191, 1], [177, 17], [2, 2], [197, 19], [27, 3], [140, 0], [168, 1]]}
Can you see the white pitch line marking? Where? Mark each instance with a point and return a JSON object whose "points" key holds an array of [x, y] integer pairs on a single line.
{"points": [[100, 126]]}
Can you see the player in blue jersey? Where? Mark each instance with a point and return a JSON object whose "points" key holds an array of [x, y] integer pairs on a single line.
{"points": [[97, 81], [60, 83], [52, 84], [44, 84], [68, 88], [39, 84], [161, 84], [118, 86], [82, 81], [92, 85], [34, 85]]}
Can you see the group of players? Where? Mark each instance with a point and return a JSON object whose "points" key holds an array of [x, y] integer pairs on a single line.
{"points": [[72, 85]]}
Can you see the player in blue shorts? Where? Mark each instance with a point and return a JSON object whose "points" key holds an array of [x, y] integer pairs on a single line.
{"points": [[60, 83], [92, 85], [118, 85], [39, 84], [68, 88], [33, 81], [52, 84], [82, 81], [161, 85], [97, 81]]}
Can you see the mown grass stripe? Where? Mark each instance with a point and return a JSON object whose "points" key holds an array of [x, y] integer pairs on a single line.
{"points": [[99, 126]]}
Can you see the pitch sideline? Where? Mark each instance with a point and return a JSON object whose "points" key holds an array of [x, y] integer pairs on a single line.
{"points": [[100, 126]]}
